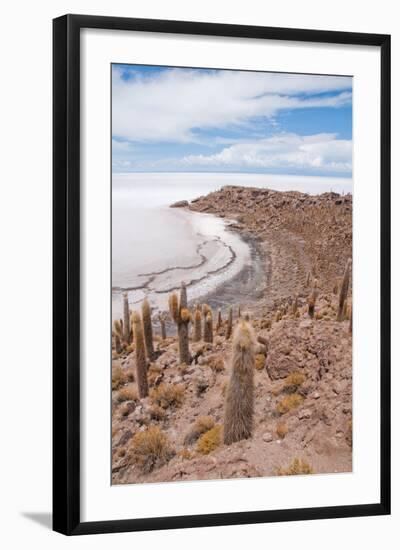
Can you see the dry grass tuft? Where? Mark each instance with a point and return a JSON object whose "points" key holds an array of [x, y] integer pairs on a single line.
{"points": [[127, 393], [202, 425], [185, 454], [167, 395], [293, 381], [297, 467], [157, 413], [260, 361], [210, 440], [118, 377], [282, 430], [289, 402], [216, 364], [150, 449]]}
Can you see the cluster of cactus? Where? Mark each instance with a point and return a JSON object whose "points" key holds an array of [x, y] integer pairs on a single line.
{"points": [[181, 316], [239, 400]]}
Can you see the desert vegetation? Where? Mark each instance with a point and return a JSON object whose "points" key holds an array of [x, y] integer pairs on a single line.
{"points": [[242, 391]]}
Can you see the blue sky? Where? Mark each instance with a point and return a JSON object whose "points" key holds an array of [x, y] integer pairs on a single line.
{"points": [[203, 120]]}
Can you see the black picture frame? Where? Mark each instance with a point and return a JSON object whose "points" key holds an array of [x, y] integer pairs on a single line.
{"points": [[66, 273]]}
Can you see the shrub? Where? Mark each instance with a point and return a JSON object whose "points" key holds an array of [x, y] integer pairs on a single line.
{"points": [[153, 373], [167, 395], [297, 467], [203, 424], [281, 430], [210, 440], [150, 449], [260, 361], [185, 454], [216, 364], [293, 381], [157, 413], [127, 393], [289, 402], [118, 377]]}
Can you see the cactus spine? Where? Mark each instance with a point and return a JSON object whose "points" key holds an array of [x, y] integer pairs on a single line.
{"points": [[343, 292], [126, 324], [230, 322], [147, 329], [181, 316], [239, 402], [197, 326], [140, 356]]}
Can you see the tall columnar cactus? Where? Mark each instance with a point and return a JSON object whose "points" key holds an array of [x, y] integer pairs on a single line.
{"points": [[117, 332], [161, 318], [140, 356], [181, 316], [197, 326], [208, 328], [308, 279], [295, 304], [311, 302], [239, 401], [344, 289], [219, 320], [205, 309], [126, 324], [117, 341], [148, 329], [230, 323]]}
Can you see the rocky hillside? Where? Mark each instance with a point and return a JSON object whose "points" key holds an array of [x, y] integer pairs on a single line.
{"points": [[302, 420]]}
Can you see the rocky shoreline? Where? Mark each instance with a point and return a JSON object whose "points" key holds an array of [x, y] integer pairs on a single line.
{"points": [[302, 368]]}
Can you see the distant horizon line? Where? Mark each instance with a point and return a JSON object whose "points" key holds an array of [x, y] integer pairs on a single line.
{"points": [[346, 177]]}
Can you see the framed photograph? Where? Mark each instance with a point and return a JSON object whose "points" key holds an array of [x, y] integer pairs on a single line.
{"points": [[221, 274]]}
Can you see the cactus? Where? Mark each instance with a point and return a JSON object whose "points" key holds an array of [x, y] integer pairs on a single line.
{"points": [[230, 322], [239, 312], [126, 324], [140, 356], [239, 402], [295, 304], [343, 292], [181, 316], [208, 328], [311, 302], [308, 280], [117, 340], [162, 326], [219, 320], [351, 322], [147, 329], [197, 326], [117, 327]]}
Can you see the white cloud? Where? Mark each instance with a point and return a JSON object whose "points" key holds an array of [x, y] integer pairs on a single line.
{"points": [[316, 152], [169, 105]]}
